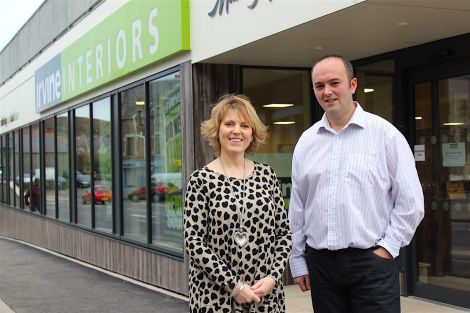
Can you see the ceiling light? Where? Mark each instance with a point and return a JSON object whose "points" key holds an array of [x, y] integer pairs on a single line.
{"points": [[367, 90], [284, 123], [319, 48], [418, 118], [453, 124], [278, 105], [402, 23], [140, 103]]}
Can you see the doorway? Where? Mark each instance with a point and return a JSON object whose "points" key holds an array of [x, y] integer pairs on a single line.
{"points": [[441, 97]]}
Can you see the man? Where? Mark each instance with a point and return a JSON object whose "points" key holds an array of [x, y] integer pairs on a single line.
{"points": [[356, 200]]}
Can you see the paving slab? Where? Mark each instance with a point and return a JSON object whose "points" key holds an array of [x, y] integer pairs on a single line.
{"points": [[34, 281]]}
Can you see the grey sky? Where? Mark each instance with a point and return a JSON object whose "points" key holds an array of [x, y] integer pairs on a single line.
{"points": [[13, 15]]}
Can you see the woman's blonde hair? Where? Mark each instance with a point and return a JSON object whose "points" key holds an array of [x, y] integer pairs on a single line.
{"points": [[241, 103]]}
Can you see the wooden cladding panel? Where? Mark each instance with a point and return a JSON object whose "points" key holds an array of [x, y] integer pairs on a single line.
{"points": [[210, 82], [116, 256]]}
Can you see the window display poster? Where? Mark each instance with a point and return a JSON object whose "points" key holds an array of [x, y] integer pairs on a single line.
{"points": [[419, 153], [453, 154]]}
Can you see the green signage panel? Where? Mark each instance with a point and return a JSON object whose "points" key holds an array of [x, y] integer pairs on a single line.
{"points": [[140, 33]]}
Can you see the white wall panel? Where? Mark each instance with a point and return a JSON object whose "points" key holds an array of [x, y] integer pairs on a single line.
{"points": [[211, 36]]}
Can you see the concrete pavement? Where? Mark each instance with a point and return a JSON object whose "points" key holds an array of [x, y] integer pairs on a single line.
{"points": [[298, 302], [33, 280]]}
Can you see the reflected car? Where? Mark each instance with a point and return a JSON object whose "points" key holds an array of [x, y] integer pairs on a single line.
{"points": [[103, 194], [83, 181], [158, 193], [26, 179]]}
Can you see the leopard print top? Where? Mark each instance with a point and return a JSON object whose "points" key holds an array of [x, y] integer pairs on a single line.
{"points": [[216, 261]]}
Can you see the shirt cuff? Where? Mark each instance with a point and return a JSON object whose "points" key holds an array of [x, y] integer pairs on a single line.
{"points": [[298, 266], [391, 246]]}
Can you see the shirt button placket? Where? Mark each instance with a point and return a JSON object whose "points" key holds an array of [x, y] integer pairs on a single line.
{"points": [[332, 189]]}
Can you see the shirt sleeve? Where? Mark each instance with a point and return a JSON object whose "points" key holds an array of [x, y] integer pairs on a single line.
{"points": [[283, 239], [407, 196], [195, 220], [297, 262]]}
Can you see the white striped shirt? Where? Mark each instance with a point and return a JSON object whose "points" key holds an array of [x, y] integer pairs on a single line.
{"points": [[354, 188]]}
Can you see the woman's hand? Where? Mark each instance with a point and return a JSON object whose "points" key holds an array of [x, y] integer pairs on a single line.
{"points": [[246, 295], [263, 286]]}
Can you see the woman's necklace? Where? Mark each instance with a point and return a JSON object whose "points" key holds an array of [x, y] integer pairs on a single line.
{"points": [[240, 235]]}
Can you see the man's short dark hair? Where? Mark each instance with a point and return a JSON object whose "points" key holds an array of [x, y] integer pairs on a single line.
{"points": [[347, 65]]}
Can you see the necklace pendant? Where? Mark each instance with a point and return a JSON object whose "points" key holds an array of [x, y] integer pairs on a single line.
{"points": [[241, 237]]}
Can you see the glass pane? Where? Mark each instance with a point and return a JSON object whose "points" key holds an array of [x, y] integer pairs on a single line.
{"points": [[282, 100], [63, 169], [375, 88], [11, 169], [82, 151], [26, 168], [3, 168], [133, 163], [453, 246], [427, 139], [444, 237], [35, 191], [165, 130], [17, 169], [49, 155], [102, 165]]}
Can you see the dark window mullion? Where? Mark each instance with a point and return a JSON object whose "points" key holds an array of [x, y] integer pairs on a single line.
{"points": [[148, 163], [92, 167], [56, 169]]}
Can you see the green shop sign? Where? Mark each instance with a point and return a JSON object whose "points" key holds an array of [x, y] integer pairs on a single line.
{"points": [[140, 33]]}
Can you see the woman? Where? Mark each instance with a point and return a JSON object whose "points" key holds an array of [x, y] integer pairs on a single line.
{"points": [[236, 230]]}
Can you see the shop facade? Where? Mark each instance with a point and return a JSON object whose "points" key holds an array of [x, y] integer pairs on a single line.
{"points": [[105, 166]]}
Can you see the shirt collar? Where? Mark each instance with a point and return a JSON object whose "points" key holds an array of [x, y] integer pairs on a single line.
{"points": [[358, 118]]}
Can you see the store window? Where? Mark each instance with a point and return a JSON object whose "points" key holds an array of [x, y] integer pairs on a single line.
{"points": [[443, 137], [11, 168], [282, 99], [63, 170], [166, 163], [35, 190], [3, 169], [17, 170], [102, 165], [83, 164], [134, 174], [375, 88], [26, 167], [49, 170]]}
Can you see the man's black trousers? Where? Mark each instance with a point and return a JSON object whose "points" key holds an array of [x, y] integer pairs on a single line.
{"points": [[353, 281]]}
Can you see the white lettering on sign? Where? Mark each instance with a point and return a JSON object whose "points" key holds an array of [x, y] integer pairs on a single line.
{"points": [[99, 60], [87, 67], [136, 32], [48, 89], [153, 30], [121, 61]]}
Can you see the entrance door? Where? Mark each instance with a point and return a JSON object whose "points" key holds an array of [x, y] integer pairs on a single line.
{"points": [[442, 151]]}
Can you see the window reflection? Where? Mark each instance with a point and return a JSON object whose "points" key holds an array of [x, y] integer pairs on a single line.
{"points": [[166, 163], [132, 106], [375, 88], [3, 174], [102, 165], [17, 170], [35, 190], [63, 166], [82, 152], [49, 156], [26, 167], [282, 100], [11, 172], [443, 238]]}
